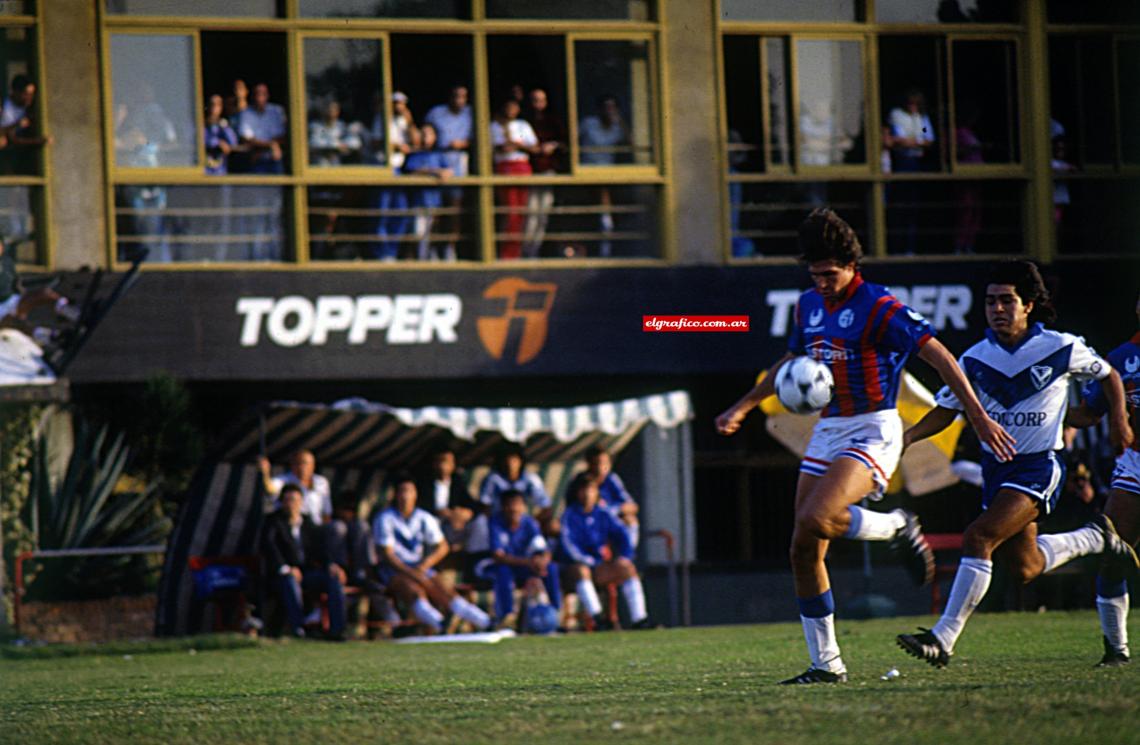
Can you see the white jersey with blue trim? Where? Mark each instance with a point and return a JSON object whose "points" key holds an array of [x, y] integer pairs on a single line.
{"points": [[1025, 388], [408, 538]]}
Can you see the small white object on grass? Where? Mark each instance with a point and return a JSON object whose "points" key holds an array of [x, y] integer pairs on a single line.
{"points": [[890, 674], [616, 726]]}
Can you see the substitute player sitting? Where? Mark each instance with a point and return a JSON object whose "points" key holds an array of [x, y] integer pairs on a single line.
{"points": [[865, 336], [412, 544], [588, 529], [1123, 506], [520, 557], [1021, 372]]}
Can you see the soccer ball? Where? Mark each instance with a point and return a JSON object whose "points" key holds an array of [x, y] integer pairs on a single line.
{"points": [[804, 385], [541, 619]]}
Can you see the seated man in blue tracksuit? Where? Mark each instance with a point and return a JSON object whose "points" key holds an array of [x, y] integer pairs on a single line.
{"points": [[520, 557], [595, 549]]}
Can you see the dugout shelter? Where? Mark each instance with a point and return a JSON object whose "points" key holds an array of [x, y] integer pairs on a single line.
{"points": [[357, 443]]}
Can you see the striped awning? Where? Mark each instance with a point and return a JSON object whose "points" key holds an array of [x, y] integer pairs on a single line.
{"points": [[359, 433]]}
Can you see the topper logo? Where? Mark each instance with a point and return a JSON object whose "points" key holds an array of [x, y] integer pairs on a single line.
{"points": [[1132, 364], [525, 301], [946, 306], [295, 320], [815, 317]]}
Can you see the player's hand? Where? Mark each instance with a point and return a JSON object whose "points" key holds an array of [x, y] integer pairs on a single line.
{"points": [[1121, 436], [297, 573], [263, 465], [992, 434], [728, 422]]}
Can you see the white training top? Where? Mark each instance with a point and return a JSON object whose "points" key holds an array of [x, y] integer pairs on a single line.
{"points": [[409, 538], [1025, 389]]}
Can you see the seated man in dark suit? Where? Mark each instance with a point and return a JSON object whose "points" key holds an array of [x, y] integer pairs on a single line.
{"points": [[444, 494], [350, 546], [297, 558]]}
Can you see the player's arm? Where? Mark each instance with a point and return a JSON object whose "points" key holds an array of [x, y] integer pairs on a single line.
{"points": [[1081, 416], [436, 556], [267, 482], [936, 420], [1000, 442], [728, 422], [1119, 429]]}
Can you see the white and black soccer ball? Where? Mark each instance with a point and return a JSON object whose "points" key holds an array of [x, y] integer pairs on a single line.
{"points": [[804, 385]]}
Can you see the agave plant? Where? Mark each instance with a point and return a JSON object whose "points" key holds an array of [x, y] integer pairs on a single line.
{"points": [[89, 509]]}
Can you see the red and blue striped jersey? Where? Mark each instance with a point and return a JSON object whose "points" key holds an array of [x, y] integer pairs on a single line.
{"points": [[865, 337], [1126, 360]]}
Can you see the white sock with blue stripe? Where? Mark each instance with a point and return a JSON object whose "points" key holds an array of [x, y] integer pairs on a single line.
{"points": [[1060, 548], [470, 613], [1112, 607], [868, 525], [818, 618], [970, 586], [426, 614]]}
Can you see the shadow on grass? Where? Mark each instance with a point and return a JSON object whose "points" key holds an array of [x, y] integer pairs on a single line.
{"points": [[205, 642]]}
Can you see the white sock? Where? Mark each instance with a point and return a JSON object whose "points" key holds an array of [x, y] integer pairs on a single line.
{"points": [[1113, 614], [868, 525], [970, 585], [588, 596], [470, 613], [1059, 548], [634, 599], [426, 614], [821, 643]]}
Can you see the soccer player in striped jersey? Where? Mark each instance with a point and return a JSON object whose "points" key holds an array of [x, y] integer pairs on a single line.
{"points": [[411, 543], [1021, 373], [520, 557], [865, 336], [1123, 506]]}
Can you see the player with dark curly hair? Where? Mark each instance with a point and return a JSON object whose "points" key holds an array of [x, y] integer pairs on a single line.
{"points": [[865, 336], [1021, 373]]}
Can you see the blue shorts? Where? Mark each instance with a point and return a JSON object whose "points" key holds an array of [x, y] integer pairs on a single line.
{"points": [[1039, 476]]}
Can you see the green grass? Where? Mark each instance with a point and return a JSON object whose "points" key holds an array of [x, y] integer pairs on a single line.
{"points": [[1016, 678]]}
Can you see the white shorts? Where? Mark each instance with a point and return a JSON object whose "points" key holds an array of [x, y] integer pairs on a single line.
{"points": [[1126, 475], [873, 439]]}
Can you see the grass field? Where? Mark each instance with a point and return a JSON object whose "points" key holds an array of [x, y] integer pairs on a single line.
{"points": [[1016, 678]]}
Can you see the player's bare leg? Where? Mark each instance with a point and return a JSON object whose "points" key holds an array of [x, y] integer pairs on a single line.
{"points": [[622, 572], [411, 592]]}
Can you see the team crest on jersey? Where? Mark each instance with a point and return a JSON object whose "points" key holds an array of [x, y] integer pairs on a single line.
{"points": [[1132, 364], [1040, 375], [816, 317], [846, 318]]}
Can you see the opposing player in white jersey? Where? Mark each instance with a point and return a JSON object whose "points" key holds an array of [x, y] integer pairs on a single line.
{"points": [[411, 544], [1123, 506], [1020, 372]]}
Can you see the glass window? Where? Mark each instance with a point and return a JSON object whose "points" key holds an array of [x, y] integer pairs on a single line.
{"points": [[789, 10], [1128, 80], [20, 149], [603, 221], [765, 217], [152, 79], [434, 73], [829, 75], [615, 103], [249, 71], [385, 8], [954, 217], [1096, 215], [200, 223], [17, 7], [18, 223], [531, 70], [1083, 127], [941, 11], [391, 223], [743, 101], [345, 103], [199, 8], [912, 82], [586, 10], [985, 102], [1093, 11]]}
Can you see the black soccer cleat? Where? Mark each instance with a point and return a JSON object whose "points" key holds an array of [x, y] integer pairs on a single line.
{"points": [[815, 675], [602, 623], [925, 646], [1112, 657], [910, 545], [1117, 555], [643, 625]]}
